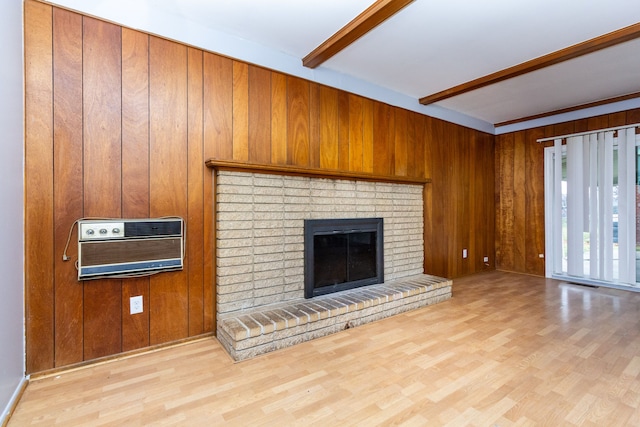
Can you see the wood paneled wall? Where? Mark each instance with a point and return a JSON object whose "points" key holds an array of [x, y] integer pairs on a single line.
{"points": [[520, 236], [119, 124], [460, 201]]}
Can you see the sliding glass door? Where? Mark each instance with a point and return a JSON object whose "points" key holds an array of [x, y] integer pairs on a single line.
{"points": [[591, 200]]}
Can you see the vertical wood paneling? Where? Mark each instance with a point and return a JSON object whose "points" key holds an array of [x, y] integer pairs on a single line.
{"points": [[356, 119], [505, 208], [168, 147], [598, 122], [297, 121], [581, 125], [448, 245], [135, 327], [67, 179], [383, 138], [488, 194], [459, 210], [195, 192], [485, 219], [102, 103], [476, 203], [135, 124], [102, 117], [428, 232], [428, 146], [102, 174], [328, 128], [38, 215], [565, 128], [416, 161], [443, 252], [633, 116], [240, 111], [314, 125], [259, 115], [519, 201], [435, 243], [412, 123], [456, 201], [453, 255], [465, 146], [343, 130], [278, 119], [453, 202], [135, 171], [618, 119], [491, 197], [534, 198], [208, 269], [218, 105], [401, 141], [473, 198], [367, 135], [208, 254]]}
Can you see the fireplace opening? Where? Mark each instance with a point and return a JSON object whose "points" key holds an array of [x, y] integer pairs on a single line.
{"points": [[342, 254]]}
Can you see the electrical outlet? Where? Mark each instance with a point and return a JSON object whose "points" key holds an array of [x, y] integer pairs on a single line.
{"points": [[135, 305], [486, 259], [464, 253]]}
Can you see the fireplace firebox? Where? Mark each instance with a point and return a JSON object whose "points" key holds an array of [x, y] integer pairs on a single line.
{"points": [[342, 254]]}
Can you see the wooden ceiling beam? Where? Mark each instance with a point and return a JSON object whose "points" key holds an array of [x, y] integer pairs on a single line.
{"points": [[602, 42], [373, 16], [570, 109]]}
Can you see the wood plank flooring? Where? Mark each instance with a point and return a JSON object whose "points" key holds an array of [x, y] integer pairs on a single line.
{"points": [[506, 350]]}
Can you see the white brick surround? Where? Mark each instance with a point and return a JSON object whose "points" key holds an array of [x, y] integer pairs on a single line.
{"points": [[260, 231], [260, 260]]}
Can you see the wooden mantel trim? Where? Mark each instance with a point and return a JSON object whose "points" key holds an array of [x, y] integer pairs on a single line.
{"points": [[316, 173]]}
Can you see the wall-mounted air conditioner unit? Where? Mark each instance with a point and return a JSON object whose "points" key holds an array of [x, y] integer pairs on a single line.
{"points": [[129, 247]]}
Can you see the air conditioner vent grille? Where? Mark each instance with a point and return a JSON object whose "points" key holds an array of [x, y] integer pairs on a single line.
{"points": [[145, 247], [152, 228]]}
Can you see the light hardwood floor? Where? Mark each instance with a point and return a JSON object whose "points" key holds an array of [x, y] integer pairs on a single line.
{"points": [[506, 350]]}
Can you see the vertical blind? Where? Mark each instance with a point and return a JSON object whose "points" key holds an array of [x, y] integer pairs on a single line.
{"points": [[627, 204], [598, 165]]}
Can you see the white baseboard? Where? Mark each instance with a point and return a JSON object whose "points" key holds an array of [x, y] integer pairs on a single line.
{"points": [[13, 402]]}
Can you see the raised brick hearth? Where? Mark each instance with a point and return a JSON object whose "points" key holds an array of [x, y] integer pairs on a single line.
{"points": [[254, 332], [260, 257]]}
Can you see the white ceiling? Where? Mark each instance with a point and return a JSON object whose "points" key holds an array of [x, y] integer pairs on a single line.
{"points": [[427, 47]]}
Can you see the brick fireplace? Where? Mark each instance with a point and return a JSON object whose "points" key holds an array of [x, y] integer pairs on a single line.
{"points": [[260, 257]]}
